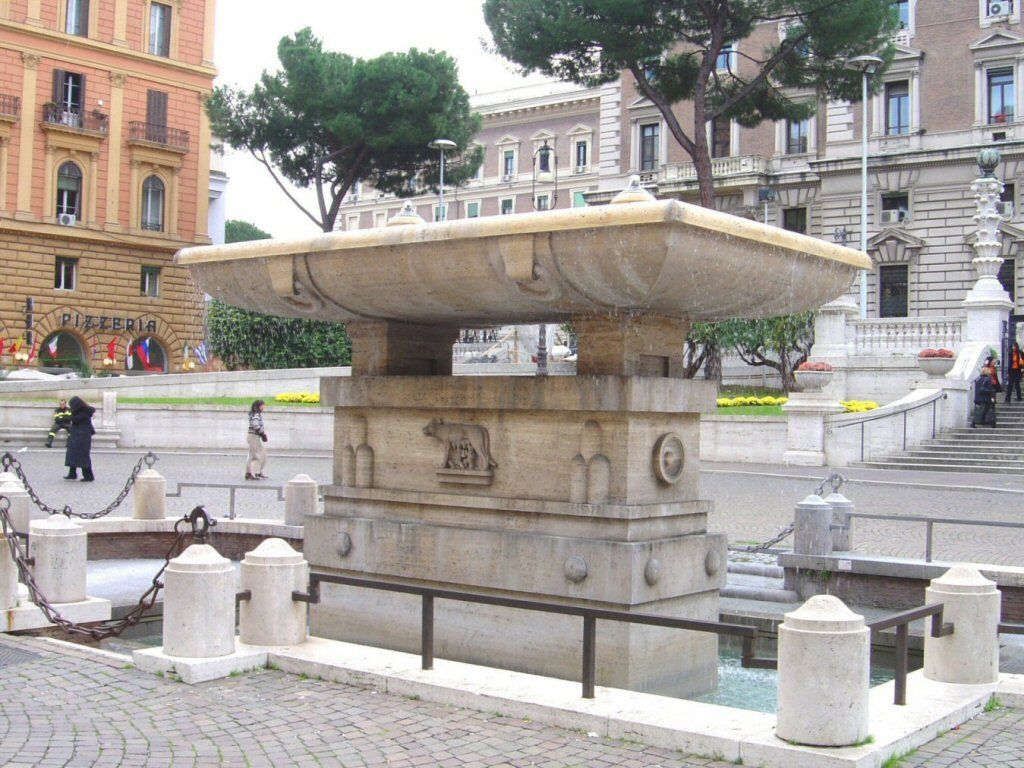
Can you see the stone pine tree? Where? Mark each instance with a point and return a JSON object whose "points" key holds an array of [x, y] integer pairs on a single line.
{"points": [[671, 49], [327, 120], [250, 340]]}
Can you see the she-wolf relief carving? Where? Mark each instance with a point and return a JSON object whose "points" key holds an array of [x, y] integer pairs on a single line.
{"points": [[467, 452], [590, 474]]}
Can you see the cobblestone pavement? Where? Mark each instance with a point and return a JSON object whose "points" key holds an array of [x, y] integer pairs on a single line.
{"points": [[752, 502], [66, 707]]}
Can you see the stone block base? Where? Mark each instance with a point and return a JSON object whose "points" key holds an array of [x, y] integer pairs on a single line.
{"points": [[192, 671], [28, 616]]}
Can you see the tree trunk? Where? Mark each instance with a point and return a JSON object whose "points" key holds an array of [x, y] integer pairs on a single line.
{"points": [[705, 177], [713, 362]]}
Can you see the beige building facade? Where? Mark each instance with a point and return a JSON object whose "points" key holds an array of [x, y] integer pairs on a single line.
{"points": [[104, 175]]}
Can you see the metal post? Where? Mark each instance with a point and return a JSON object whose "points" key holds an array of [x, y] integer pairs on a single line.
{"points": [[929, 529], [589, 655], [864, 195], [905, 430], [30, 321], [440, 193], [427, 636], [901, 665], [542, 350], [231, 503]]}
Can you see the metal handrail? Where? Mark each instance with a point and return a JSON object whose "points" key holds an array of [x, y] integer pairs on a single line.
{"points": [[10, 106], [156, 133], [232, 488], [901, 621], [861, 422], [590, 616], [93, 121], [931, 522]]}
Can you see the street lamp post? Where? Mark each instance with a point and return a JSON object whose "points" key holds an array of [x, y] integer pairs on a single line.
{"points": [[545, 170], [441, 145], [867, 66]]}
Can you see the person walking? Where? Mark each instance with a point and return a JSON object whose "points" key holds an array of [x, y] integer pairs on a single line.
{"points": [[80, 441], [1016, 366], [256, 438], [61, 420], [984, 399]]}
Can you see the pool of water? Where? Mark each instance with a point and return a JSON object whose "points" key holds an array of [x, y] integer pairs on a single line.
{"points": [[757, 689]]}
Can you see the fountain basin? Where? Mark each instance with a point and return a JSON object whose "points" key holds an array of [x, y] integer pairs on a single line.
{"points": [[658, 257]]}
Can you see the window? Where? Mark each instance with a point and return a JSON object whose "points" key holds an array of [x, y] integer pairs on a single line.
{"points": [[441, 212], [156, 116], [902, 9], [726, 57], [508, 205], [77, 19], [69, 190], [380, 218], [508, 164], [153, 204], [150, 283], [473, 210], [160, 29], [543, 203], [581, 156], [721, 137], [1006, 277], [352, 222], [892, 280], [795, 220], [895, 208], [579, 199], [1007, 198], [897, 108], [68, 98], [1001, 101], [796, 136], [650, 144], [64, 274], [544, 154]]}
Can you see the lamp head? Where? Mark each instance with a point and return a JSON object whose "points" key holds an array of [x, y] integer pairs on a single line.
{"points": [[868, 64], [442, 144]]}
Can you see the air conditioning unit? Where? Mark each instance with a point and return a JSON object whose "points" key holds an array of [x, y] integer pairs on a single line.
{"points": [[893, 217], [997, 8], [66, 219], [581, 169], [507, 178], [1005, 209]]}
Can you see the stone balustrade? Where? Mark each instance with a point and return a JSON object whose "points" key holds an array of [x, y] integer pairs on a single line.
{"points": [[907, 335], [720, 166]]}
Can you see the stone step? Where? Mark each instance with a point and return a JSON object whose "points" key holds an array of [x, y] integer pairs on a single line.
{"points": [[992, 444], [757, 569], [963, 457], [1003, 447], [943, 466], [763, 594]]}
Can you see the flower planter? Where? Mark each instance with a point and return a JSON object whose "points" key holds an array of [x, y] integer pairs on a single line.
{"points": [[813, 381], [936, 367]]}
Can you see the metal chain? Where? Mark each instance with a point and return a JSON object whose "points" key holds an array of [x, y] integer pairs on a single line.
{"points": [[197, 518], [11, 464], [834, 481]]}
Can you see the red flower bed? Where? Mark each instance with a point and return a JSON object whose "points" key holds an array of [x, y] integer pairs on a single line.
{"points": [[809, 366], [947, 353]]}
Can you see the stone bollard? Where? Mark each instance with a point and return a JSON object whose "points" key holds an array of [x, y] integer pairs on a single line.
{"points": [[812, 532], [59, 547], [20, 508], [842, 530], [109, 416], [149, 496], [8, 577], [301, 498], [199, 604], [970, 656], [270, 617], [824, 665]]}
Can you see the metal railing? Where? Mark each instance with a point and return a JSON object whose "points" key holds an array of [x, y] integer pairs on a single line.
{"points": [[158, 134], [861, 422], [901, 621], [10, 106], [931, 522], [232, 489], [590, 617], [58, 114]]}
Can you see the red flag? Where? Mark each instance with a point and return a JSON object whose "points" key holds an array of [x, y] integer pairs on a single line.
{"points": [[2, 340], [112, 349], [32, 352]]}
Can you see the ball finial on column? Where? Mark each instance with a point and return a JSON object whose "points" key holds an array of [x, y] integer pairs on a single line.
{"points": [[988, 159]]}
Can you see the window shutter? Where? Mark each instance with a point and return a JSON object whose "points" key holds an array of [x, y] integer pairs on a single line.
{"points": [[156, 108], [58, 85], [83, 18], [81, 95], [165, 42]]}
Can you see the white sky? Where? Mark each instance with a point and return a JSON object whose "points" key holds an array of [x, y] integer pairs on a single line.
{"points": [[247, 36]]}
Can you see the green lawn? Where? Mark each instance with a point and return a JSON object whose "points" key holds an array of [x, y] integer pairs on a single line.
{"points": [[750, 410], [230, 401]]}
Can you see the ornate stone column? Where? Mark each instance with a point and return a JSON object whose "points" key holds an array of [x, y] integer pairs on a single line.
{"points": [[987, 303]]}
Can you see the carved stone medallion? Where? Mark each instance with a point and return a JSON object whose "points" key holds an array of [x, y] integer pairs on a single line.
{"points": [[668, 458]]}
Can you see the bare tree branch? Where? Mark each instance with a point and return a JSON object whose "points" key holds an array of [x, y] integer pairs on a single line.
{"points": [[266, 163]]}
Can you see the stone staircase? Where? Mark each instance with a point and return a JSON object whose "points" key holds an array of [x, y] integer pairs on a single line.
{"points": [[982, 449]]}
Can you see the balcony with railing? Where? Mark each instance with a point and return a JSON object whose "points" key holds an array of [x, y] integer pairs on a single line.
{"points": [[721, 167], [10, 108], [62, 117], [174, 139]]}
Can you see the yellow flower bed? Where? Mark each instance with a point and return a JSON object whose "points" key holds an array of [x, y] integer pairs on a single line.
{"points": [[859, 406], [297, 397], [735, 402]]}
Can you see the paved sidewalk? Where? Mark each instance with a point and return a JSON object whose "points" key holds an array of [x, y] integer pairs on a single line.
{"points": [[67, 707]]}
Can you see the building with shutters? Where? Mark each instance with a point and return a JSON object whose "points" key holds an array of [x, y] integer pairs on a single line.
{"points": [[104, 175]]}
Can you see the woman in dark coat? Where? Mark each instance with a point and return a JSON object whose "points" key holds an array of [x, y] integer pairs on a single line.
{"points": [[80, 440]]}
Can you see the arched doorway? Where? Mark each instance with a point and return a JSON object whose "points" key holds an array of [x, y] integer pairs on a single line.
{"points": [[147, 356], [62, 350]]}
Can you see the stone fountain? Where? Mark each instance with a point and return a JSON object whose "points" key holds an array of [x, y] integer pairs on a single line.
{"points": [[577, 489]]}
